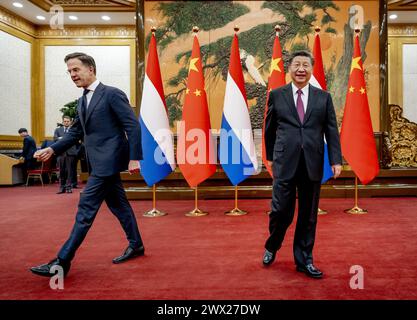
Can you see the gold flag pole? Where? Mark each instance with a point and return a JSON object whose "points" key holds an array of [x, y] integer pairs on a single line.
{"points": [[356, 209], [154, 212], [277, 31], [196, 212], [236, 211], [319, 211]]}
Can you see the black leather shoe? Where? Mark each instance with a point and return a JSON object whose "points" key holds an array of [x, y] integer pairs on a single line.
{"points": [[69, 190], [61, 190], [269, 257], [130, 253], [45, 269], [310, 270]]}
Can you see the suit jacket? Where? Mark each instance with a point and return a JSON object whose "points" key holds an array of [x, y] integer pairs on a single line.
{"points": [[110, 131], [58, 135], [286, 136], [29, 148]]}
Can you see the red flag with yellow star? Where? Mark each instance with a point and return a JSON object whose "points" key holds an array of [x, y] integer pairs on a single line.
{"points": [[357, 136], [276, 79], [195, 150]]}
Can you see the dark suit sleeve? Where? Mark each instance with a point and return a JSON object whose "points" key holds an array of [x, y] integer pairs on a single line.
{"points": [[124, 113], [26, 146], [332, 133], [56, 135], [270, 129], [74, 134]]}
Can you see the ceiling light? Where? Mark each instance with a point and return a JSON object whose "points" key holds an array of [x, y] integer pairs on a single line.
{"points": [[105, 18], [73, 18], [40, 18], [17, 5], [393, 16]]}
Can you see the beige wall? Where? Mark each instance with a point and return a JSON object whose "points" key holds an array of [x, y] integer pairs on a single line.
{"points": [[42, 39], [402, 68], [15, 84]]}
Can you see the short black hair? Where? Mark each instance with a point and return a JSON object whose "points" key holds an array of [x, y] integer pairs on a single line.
{"points": [[22, 130], [84, 58], [301, 53]]}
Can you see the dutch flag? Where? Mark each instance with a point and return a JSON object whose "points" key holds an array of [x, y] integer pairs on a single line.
{"points": [[237, 149], [318, 80], [157, 139]]}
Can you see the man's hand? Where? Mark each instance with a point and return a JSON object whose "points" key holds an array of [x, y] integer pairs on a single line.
{"points": [[337, 170], [270, 163], [134, 166], [44, 154]]}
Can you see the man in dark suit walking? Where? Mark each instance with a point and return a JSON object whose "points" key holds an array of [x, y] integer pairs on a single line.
{"points": [[66, 160], [28, 150], [111, 134], [298, 117]]}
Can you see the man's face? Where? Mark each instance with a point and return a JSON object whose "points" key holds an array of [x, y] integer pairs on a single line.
{"points": [[300, 70], [81, 74], [23, 134], [66, 122]]}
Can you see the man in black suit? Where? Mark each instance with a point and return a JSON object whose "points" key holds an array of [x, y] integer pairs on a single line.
{"points": [[298, 117], [111, 134], [66, 159], [29, 149]]}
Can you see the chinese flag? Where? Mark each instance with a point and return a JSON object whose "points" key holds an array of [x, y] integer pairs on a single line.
{"points": [[357, 136], [195, 151], [276, 79]]}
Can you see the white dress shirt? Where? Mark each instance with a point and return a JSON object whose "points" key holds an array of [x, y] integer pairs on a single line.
{"points": [[91, 87], [304, 95]]}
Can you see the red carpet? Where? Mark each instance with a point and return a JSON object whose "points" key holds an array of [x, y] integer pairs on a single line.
{"points": [[212, 257]]}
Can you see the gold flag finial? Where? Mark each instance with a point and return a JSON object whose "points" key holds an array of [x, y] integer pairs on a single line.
{"points": [[236, 28], [317, 29], [277, 29], [153, 30], [357, 30], [195, 29]]}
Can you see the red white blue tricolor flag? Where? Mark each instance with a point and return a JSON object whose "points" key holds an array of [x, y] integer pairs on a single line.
{"points": [[157, 138], [318, 80], [237, 149]]}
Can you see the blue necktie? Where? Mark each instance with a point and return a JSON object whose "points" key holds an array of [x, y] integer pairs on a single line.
{"points": [[84, 103]]}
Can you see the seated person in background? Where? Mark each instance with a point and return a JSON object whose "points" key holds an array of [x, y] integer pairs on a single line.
{"points": [[66, 159], [29, 148]]}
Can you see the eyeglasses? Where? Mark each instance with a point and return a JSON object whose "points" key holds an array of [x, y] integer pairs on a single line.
{"points": [[297, 66]]}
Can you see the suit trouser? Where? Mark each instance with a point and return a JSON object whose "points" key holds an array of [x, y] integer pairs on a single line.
{"points": [[97, 190], [74, 175], [66, 167], [282, 213]]}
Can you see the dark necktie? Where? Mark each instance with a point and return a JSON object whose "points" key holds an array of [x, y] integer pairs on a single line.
{"points": [[65, 130], [300, 106], [84, 103]]}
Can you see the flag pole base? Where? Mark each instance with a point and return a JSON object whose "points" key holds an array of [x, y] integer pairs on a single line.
{"points": [[235, 212], [356, 210], [154, 213], [321, 212], [196, 213]]}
